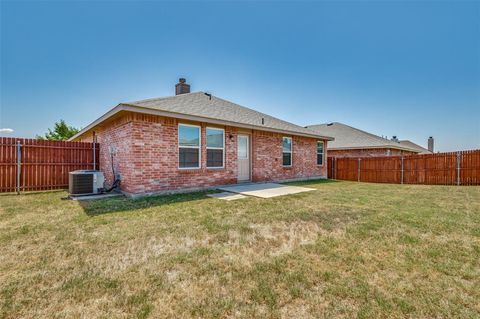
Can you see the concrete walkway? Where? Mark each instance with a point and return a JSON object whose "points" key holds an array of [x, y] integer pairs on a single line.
{"points": [[265, 190], [227, 196]]}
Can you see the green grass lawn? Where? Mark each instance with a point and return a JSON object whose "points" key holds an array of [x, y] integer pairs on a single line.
{"points": [[345, 250]]}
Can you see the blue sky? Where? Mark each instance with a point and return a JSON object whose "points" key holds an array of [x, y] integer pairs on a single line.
{"points": [[410, 69]]}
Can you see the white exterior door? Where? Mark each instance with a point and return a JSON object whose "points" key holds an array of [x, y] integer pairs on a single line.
{"points": [[243, 158]]}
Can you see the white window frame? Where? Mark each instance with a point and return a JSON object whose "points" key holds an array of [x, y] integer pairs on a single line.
{"points": [[323, 153], [199, 147], [291, 151], [215, 148]]}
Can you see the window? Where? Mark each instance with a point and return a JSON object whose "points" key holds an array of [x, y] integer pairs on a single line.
{"points": [[287, 151], [215, 147], [188, 146], [320, 153]]}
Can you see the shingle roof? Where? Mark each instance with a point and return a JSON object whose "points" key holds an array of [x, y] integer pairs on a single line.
{"points": [[208, 106], [410, 144], [347, 137], [204, 107]]}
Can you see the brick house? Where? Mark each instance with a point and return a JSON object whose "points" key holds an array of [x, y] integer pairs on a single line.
{"points": [[353, 142], [196, 140]]}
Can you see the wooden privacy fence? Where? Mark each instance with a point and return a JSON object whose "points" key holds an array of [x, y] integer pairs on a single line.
{"points": [[454, 168], [30, 164]]}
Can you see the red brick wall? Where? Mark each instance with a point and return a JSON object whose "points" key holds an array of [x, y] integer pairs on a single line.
{"points": [[113, 137], [147, 156], [368, 152], [267, 158]]}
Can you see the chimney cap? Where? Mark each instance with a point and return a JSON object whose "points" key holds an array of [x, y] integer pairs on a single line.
{"points": [[182, 80]]}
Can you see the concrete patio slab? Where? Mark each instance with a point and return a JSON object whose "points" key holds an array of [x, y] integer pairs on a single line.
{"points": [[93, 197], [227, 196], [265, 190]]}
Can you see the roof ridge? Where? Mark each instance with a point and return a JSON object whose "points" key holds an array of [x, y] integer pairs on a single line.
{"points": [[161, 98]]}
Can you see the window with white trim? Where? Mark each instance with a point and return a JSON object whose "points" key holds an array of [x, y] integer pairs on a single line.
{"points": [[320, 152], [189, 138], [287, 151], [215, 147]]}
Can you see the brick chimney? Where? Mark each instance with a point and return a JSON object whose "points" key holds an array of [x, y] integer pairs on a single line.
{"points": [[181, 87], [430, 144]]}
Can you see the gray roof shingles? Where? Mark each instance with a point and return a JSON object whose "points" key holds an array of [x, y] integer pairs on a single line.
{"points": [[347, 137], [410, 144], [202, 105]]}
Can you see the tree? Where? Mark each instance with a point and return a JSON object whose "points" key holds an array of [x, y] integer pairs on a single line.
{"points": [[61, 132]]}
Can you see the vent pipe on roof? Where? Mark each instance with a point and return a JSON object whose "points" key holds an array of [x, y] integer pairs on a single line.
{"points": [[181, 87], [394, 138], [430, 144]]}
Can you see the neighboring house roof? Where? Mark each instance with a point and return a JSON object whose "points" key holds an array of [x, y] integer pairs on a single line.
{"points": [[422, 150], [347, 137], [199, 106]]}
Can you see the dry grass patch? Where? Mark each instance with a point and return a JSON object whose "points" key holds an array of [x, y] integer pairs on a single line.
{"points": [[346, 250]]}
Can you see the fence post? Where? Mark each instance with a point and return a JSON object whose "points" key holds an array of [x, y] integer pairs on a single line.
{"points": [[458, 167], [19, 160], [334, 173], [94, 155], [402, 172], [359, 169], [335, 168]]}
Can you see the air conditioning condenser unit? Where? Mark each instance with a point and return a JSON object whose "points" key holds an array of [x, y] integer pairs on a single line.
{"points": [[85, 182]]}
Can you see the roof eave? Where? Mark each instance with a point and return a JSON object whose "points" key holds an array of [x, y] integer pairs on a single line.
{"points": [[98, 121]]}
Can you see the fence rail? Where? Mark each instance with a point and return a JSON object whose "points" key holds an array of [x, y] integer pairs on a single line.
{"points": [[453, 168], [30, 164]]}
